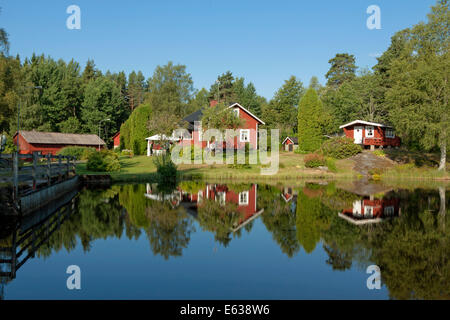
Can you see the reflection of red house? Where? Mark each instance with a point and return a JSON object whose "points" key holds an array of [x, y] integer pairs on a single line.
{"points": [[116, 140], [370, 210], [52, 142], [371, 134], [288, 194], [247, 133], [246, 200]]}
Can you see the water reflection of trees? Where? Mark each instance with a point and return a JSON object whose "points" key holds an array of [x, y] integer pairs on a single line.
{"points": [[118, 211], [219, 219], [413, 250], [279, 219]]}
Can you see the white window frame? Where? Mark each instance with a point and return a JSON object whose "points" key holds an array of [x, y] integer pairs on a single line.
{"points": [[248, 135], [391, 131], [236, 112], [367, 131], [245, 200]]}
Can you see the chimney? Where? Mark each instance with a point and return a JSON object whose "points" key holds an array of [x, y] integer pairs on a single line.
{"points": [[213, 103]]}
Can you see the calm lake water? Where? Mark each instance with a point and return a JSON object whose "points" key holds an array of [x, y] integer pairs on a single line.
{"points": [[234, 241]]}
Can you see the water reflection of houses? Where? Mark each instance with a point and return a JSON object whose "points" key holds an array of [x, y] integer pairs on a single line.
{"points": [[245, 200], [371, 210]]}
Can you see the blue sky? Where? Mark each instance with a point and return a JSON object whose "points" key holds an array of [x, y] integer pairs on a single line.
{"points": [[263, 41]]}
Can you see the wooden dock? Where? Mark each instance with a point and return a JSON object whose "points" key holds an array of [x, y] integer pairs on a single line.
{"points": [[26, 176]]}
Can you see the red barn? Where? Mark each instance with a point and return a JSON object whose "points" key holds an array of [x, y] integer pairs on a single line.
{"points": [[371, 134], [116, 140], [247, 133], [52, 142]]}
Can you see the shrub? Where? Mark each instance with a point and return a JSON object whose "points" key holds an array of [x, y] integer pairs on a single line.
{"points": [[126, 152], [331, 164], [340, 148], [166, 171], [87, 152], [105, 160], [76, 152], [95, 162], [314, 160], [379, 153]]}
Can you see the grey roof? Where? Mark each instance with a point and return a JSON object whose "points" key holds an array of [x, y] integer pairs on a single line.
{"points": [[195, 116], [61, 138]]}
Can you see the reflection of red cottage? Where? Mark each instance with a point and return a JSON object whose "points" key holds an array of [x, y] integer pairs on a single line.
{"points": [[369, 210], [116, 140], [371, 134], [246, 200], [247, 133]]}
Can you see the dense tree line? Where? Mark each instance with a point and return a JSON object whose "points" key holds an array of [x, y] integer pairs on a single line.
{"points": [[408, 88], [70, 99]]}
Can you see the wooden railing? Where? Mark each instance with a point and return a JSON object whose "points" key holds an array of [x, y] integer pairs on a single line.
{"points": [[28, 172], [394, 142]]}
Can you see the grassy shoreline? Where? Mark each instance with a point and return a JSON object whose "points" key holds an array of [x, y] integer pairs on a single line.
{"points": [[142, 168]]}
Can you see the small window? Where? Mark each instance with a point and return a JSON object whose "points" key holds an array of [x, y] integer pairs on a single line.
{"points": [[368, 212], [369, 132], [244, 135], [243, 198], [390, 133], [236, 112], [389, 211], [221, 197]]}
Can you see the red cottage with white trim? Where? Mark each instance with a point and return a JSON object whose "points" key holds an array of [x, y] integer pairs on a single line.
{"points": [[248, 132], [371, 134]]}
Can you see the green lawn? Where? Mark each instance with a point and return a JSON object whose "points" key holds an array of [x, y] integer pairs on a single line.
{"points": [[139, 168], [412, 166]]}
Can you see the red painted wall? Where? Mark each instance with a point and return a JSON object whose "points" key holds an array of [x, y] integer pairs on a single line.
{"points": [[378, 134], [116, 140]]}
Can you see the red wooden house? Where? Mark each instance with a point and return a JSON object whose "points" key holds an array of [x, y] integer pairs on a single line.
{"points": [[371, 134], [247, 133], [116, 140], [52, 142]]}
